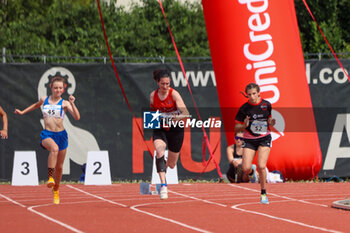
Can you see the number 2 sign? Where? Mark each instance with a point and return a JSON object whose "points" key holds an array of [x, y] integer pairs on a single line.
{"points": [[97, 168]]}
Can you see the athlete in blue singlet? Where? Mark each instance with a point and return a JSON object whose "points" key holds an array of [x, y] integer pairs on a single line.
{"points": [[54, 137]]}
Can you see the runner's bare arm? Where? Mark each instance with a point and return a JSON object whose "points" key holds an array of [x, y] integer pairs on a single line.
{"points": [[240, 127], [72, 109], [180, 106], [3, 132], [31, 107]]}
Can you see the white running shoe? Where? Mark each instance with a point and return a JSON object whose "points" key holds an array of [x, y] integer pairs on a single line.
{"points": [[163, 193]]}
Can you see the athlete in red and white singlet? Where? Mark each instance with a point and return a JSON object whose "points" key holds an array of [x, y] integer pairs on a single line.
{"points": [[166, 105], [170, 104]]}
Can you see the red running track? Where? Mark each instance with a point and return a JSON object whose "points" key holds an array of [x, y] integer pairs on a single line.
{"points": [[198, 207]]}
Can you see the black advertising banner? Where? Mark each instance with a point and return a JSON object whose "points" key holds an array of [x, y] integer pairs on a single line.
{"points": [[329, 89], [107, 123]]}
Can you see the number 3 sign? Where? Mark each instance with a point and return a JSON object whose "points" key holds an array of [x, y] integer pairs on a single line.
{"points": [[25, 171], [97, 168]]}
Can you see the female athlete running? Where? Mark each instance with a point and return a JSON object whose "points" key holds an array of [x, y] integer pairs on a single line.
{"points": [[54, 137], [169, 103], [254, 118]]}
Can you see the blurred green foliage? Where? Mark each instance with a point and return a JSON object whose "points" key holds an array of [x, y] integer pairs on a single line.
{"points": [[72, 28], [333, 18]]}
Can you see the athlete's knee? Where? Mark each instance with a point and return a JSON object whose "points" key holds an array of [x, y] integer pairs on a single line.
{"points": [[246, 169], [160, 150], [171, 165], [161, 164], [261, 167], [54, 149], [159, 154]]}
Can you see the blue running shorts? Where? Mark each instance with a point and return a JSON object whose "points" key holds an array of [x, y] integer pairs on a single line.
{"points": [[60, 138]]}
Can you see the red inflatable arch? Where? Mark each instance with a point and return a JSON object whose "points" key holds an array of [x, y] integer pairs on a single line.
{"points": [[258, 41]]}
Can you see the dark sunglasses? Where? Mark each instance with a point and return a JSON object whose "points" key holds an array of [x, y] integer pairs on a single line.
{"points": [[238, 138]]}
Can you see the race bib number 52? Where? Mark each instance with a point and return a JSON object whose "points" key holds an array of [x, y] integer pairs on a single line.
{"points": [[259, 127]]}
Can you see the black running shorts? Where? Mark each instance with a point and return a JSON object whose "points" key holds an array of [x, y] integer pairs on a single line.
{"points": [[255, 143], [173, 137]]}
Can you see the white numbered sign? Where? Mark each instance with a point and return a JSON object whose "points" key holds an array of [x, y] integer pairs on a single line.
{"points": [[25, 170], [171, 174], [97, 168]]}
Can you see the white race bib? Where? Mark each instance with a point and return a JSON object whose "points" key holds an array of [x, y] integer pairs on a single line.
{"points": [[259, 127], [52, 111]]}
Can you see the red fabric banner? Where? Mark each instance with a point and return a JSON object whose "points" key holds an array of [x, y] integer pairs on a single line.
{"points": [[258, 41]]}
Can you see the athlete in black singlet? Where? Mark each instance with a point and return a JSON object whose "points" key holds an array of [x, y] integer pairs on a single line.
{"points": [[254, 119]]}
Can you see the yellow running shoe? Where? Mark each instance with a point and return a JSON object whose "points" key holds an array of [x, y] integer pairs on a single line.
{"points": [[56, 197], [50, 182]]}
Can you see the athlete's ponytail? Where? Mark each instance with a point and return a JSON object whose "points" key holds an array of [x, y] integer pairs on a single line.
{"points": [[243, 94], [160, 73]]}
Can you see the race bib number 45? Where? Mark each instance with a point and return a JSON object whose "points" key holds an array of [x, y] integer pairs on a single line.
{"points": [[52, 110]]}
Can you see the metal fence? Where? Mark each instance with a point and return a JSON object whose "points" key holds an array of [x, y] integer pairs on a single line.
{"points": [[10, 58]]}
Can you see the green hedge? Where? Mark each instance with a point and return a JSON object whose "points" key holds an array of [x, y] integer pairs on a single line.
{"points": [[72, 28]]}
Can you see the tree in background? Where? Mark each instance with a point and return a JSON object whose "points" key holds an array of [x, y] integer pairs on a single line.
{"points": [[73, 29], [333, 17]]}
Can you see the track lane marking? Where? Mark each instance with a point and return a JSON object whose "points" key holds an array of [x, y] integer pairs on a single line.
{"points": [[276, 195], [13, 201], [30, 208], [271, 216], [236, 207], [198, 199], [134, 208], [98, 197], [281, 219]]}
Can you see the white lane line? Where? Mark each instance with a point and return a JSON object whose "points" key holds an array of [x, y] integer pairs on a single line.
{"points": [[278, 218], [281, 219], [142, 211], [276, 195], [266, 215], [198, 199], [13, 201], [41, 214], [227, 199], [31, 208], [98, 197], [164, 218]]}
